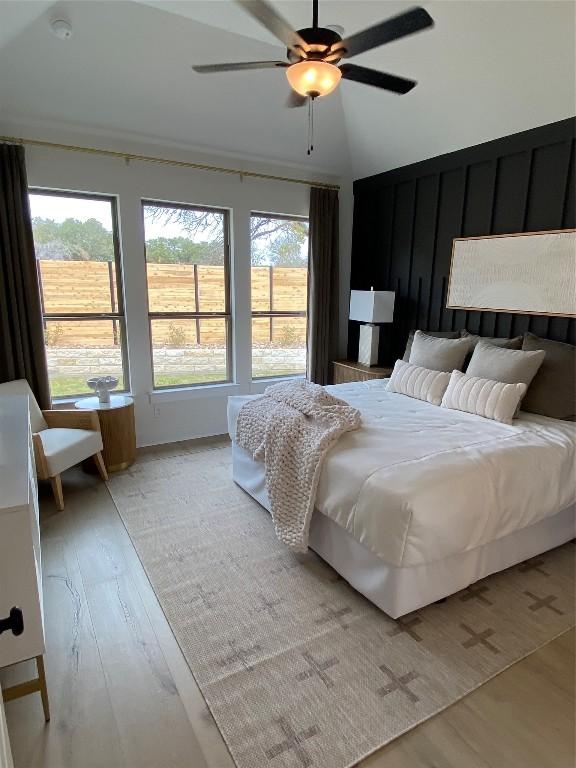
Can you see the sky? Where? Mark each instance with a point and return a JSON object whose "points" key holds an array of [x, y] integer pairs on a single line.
{"points": [[60, 208]]}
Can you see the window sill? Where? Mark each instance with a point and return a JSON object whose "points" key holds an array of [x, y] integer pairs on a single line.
{"points": [[192, 393], [259, 385], [68, 401], [228, 389], [64, 402]]}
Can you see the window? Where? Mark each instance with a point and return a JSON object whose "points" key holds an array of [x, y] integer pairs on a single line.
{"points": [[76, 244], [187, 257], [279, 254]]}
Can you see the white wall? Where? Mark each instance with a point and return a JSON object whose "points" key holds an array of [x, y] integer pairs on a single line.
{"points": [[180, 414]]}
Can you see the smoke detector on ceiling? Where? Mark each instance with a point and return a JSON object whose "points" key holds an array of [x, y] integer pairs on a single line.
{"points": [[61, 29]]}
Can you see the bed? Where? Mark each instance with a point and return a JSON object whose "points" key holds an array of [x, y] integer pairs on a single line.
{"points": [[422, 501]]}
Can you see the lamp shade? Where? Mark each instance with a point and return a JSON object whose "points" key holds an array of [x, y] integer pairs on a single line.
{"points": [[372, 306], [313, 78]]}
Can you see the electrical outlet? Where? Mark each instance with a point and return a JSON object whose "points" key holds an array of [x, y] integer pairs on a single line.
{"points": [[156, 410]]}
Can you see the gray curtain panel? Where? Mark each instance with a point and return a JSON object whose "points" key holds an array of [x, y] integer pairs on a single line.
{"points": [[322, 283], [22, 354]]}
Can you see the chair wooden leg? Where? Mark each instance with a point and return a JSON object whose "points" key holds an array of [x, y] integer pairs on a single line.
{"points": [[99, 461], [38, 684], [56, 483], [43, 687]]}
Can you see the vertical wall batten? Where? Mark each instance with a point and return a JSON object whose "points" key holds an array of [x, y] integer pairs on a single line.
{"points": [[528, 185], [569, 188], [494, 188], [390, 233], [519, 183], [412, 226], [434, 248], [483, 319]]}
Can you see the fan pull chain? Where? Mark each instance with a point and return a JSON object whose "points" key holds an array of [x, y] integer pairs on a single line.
{"points": [[310, 125]]}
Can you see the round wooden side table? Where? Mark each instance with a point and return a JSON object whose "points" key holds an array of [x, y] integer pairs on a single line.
{"points": [[117, 427]]}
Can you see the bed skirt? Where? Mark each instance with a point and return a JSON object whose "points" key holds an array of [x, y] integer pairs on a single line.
{"points": [[398, 591]]}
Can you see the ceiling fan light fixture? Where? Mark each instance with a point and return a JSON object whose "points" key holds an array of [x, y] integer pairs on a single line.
{"points": [[313, 78]]}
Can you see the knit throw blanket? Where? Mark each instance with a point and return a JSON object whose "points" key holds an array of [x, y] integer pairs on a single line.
{"points": [[291, 427]]}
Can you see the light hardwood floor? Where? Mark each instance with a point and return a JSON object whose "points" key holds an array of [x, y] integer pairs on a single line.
{"points": [[122, 695]]}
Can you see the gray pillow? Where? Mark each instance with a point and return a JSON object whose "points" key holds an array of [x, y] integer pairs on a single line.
{"points": [[515, 343], [438, 354], [436, 334], [553, 390], [510, 366]]}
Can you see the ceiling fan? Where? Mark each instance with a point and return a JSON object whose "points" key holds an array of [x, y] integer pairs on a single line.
{"points": [[313, 53]]}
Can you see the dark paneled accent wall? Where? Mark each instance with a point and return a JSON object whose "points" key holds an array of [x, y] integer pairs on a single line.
{"points": [[405, 221]]}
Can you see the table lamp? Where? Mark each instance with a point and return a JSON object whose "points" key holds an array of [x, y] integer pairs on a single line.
{"points": [[371, 307]]}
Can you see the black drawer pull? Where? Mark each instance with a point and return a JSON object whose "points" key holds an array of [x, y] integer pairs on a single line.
{"points": [[15, 622]]}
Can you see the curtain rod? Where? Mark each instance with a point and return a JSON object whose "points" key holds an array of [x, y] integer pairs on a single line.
{"points": [[128, 156]]}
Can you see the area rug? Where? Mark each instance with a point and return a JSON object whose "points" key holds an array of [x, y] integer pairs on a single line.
{"points": [[297, 668]]}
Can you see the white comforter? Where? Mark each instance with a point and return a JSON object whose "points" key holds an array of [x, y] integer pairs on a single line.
{"points": [[418, 483]]}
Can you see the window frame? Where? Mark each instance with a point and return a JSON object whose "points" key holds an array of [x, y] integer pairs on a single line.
{"points": [[120, 314], [226, 315], [271, 314]]}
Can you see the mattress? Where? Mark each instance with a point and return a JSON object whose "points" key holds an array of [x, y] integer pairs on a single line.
{"points": [[418, 483]]}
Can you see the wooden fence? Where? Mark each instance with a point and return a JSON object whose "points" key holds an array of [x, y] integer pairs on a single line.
{"points": [[90, 286]]}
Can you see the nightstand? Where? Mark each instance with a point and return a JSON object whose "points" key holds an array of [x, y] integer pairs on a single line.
{"points": [[349, 370], [117, 428]]}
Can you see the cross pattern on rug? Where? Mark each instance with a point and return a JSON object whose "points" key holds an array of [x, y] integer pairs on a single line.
{"points": [[268, 606], [240, 656], [199, 594], [535, 564], [334, 615], [177, 554], [293, 742], [317, 668], [406, 624], [477, 638], [544, 602], [398, 683], [231, 559]]}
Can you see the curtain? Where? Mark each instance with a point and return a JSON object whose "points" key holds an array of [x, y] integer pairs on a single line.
{"points": [[22, 354], [322, 283]]}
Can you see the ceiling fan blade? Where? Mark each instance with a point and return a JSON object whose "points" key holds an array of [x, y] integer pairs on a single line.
{"points": [[399, 26], [295, 100], [204, 69], [271, 19], [377, 79]]}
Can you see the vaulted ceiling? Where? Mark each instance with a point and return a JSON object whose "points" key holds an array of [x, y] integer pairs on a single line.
{"points": [[487, 69]]}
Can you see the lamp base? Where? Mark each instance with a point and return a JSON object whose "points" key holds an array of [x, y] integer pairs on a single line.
{"points": [[368, 347]]}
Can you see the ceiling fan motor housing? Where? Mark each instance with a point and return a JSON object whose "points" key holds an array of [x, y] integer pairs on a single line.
{"points": [[320, 41]]}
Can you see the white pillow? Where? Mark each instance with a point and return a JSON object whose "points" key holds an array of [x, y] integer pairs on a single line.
{"points": [[483, 397], [421, 383]]}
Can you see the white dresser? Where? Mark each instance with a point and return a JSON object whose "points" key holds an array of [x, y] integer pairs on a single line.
{"points": [[20, 565]]}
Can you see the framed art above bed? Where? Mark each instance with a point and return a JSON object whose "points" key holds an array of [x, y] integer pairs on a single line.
{"points": [[525, 273]]}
